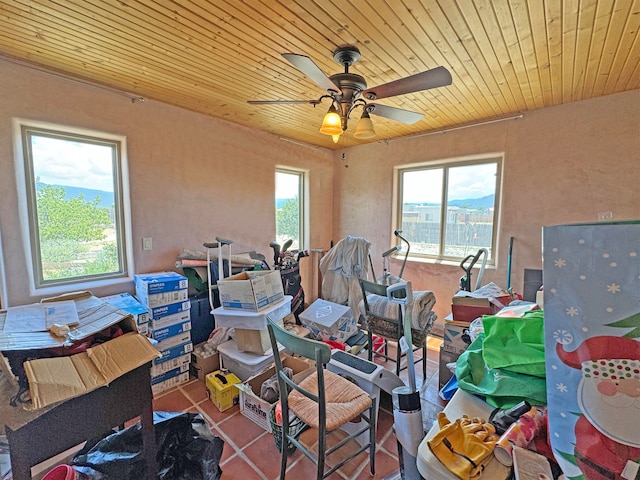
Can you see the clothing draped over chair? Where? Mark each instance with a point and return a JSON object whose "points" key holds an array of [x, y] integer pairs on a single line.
{"points": [[341, 267]]}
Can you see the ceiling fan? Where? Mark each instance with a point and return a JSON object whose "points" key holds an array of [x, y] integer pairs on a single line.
{"points": [[348, 91]]}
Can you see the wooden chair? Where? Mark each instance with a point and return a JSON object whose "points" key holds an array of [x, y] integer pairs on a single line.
{"points": [[324, 401], [388, 325]]}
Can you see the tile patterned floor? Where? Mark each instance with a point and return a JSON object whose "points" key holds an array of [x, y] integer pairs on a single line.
{"points": [[250, 452]]}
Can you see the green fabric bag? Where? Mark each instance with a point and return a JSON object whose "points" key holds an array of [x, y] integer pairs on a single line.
{"points": [[501, 388], [515, 344]]}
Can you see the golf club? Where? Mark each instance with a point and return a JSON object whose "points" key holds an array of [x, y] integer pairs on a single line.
{"points": [[276, 252]]}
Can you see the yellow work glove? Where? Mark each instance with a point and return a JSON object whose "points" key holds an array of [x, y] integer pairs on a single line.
{"points": [[464, 446]]}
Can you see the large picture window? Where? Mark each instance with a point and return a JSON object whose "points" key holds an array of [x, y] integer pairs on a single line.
{"points": [[74, 205], [449, 209]]}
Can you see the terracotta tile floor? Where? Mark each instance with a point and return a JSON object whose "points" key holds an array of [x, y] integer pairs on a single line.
{"points": [[250, 452]]}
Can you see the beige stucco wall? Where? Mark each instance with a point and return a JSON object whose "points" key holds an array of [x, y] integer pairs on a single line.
{"points": [[563, 164], [192, 177]]}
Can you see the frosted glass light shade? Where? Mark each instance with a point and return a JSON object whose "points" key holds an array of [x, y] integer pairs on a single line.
{"points": [[364, 127]]}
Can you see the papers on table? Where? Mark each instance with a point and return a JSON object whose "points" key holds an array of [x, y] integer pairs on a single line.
{"points": [[38, 317]]}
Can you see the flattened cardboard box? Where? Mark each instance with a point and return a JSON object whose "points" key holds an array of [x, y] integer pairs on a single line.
{"points": [[55, 379]]}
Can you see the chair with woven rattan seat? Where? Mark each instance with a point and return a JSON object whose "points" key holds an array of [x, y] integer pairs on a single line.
{"points": [[324, 401], [384, 319]]}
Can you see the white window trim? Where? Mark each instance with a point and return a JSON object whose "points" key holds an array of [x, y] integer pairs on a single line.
{"points": [[19, 162], [3, 283], [304, 207], [395, 214]]}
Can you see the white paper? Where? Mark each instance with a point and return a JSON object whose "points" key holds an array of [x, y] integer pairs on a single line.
{"points": [[38, 317]]}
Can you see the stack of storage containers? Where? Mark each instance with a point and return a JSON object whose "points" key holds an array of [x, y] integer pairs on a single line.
{"points": [[165, 295], [246, 300]]}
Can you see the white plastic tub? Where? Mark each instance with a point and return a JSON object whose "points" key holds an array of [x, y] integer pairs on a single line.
{"points": [[252, 320], [244, 364]]}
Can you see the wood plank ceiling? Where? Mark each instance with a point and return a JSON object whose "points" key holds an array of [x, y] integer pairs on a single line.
{"points": [[211, 56]]}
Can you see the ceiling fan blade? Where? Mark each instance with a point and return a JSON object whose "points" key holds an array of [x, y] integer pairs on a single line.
{"points": [[311, 70], [278, 102], [434, 78], [393, 113]]}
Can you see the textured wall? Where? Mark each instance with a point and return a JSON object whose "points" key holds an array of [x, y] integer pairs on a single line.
{"points": [[192, 177], [563, 164]]}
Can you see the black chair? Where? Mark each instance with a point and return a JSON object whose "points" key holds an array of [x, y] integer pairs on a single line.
{"points": [[324, 401], [384, 319]]}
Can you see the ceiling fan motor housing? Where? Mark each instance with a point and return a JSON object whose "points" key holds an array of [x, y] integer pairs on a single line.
{"points": [[351, 86]]}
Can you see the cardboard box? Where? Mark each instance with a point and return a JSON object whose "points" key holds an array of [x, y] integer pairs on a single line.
{"points": [[162, 322], [251, 290], [329, 321], [174, 352], [162, 288], [161, 334], [159, 282], [222, 389], [467, 309], [202, 365], [60, 378], [174, 341], [444, 374], [170, 383], [158, 313], [257, 409], [170, 373], [456, 336], [255, 341], [160, 368], [252, 320], [126, 302]]}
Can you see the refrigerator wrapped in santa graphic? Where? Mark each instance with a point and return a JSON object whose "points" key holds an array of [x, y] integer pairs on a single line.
{"points": [[591, 276]]}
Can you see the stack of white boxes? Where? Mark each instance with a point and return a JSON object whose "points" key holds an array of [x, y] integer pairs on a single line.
{"points": [[165, 295]]}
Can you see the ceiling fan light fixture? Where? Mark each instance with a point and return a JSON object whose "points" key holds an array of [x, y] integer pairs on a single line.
{"points": [[332, 123], [364, 127]]}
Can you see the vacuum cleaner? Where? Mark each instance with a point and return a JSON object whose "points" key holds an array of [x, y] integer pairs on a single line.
{"points": [[407, 413]]}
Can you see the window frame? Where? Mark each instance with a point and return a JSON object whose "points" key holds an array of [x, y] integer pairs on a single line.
{"points": [[27, 202], [303, 220], [445, 165]]}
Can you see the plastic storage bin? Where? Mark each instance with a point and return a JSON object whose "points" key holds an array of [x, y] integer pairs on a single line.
{"points": [[252, 320], [243, 364]]}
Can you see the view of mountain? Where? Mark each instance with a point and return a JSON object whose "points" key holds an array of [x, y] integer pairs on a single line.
{"points": [[481, 203], [106, 198]]}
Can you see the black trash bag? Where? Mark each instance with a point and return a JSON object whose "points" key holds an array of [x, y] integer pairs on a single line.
{"points": [[186, 450]]}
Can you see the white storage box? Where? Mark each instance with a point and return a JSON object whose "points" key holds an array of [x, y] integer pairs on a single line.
{"points": [[329, 321], [243, 364], [252, 320], [170, 310], [162, 288], [251, 290], [161, 334]]}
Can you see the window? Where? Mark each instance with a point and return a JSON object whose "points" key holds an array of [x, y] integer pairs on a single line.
{"points": [[449, 210], [74, 200], [290, 207]]}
